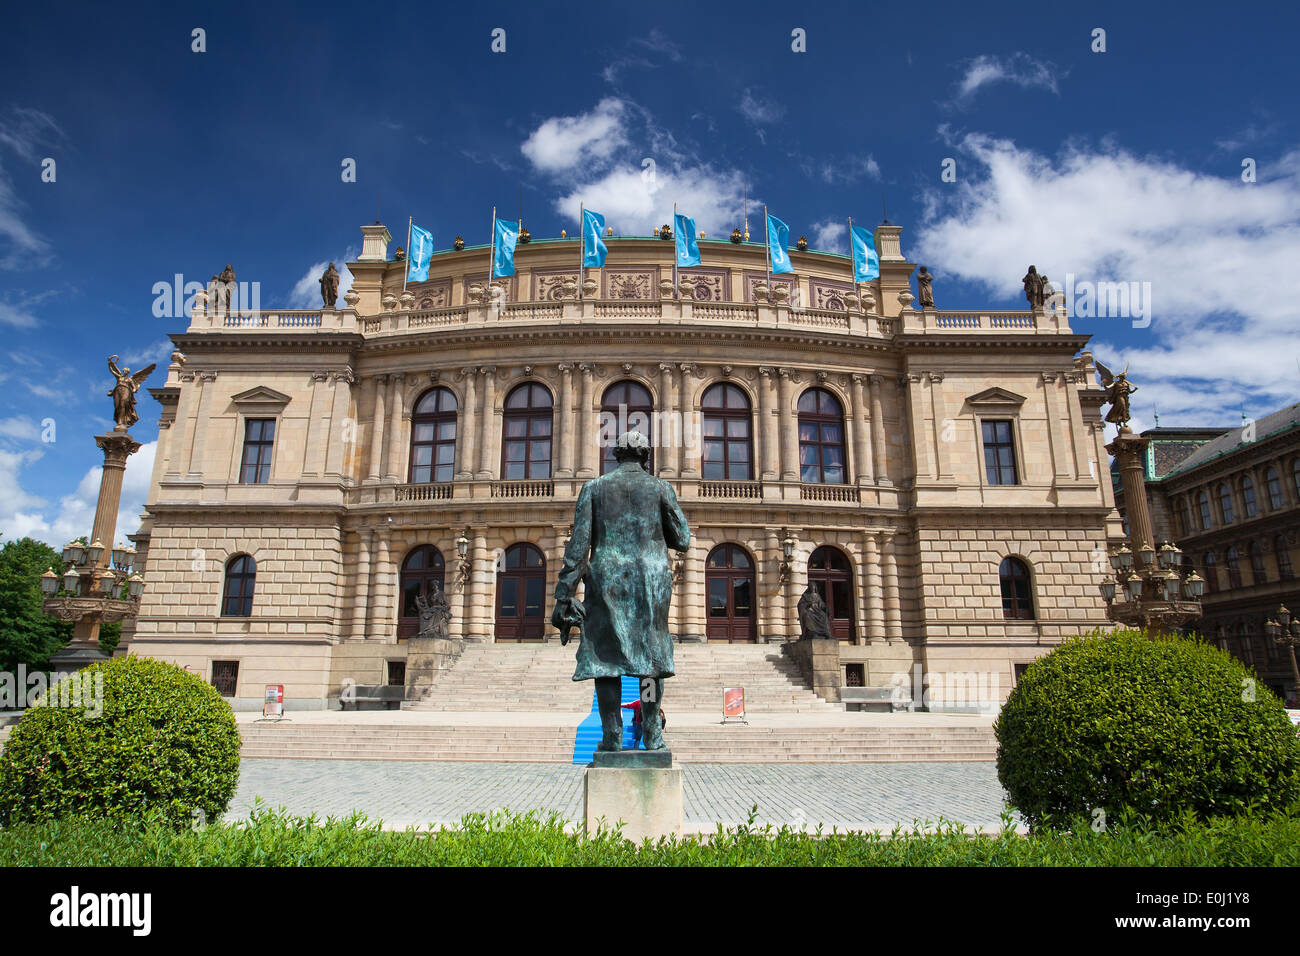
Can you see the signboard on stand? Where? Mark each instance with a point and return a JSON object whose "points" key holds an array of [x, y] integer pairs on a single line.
{"points": [[273, 703], [733, 704]]}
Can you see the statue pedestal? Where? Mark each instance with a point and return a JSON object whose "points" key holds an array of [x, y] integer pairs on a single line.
{"points": [[819, 663], [426, 659], [640, 788]]}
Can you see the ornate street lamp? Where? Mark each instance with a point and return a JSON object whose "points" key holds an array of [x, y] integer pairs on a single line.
{"points": [[787, 551], [1286, 632], [49, 583], [1108, 591], [74, 552]]}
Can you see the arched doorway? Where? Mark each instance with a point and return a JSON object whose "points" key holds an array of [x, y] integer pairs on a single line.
{"points": [[832, 577], [521, 586], [729, 588], [420, 570]]}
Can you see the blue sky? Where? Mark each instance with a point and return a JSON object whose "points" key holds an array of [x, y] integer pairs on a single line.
{"points": [[1115, 166]]}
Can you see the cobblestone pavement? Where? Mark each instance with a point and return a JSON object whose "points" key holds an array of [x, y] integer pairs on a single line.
{"points": [[402, 793]]}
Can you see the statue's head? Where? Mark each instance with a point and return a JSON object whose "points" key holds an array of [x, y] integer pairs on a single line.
{"points": [[1033, 271], [632, 446]]}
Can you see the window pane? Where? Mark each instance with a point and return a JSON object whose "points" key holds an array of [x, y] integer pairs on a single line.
{"points": [[533, 596], [807, 432], [713, 427], [509, 597], [737, 451], [738, 471], [833, 476], [447, 431], [446, 454], [444, 473], [740, 596], [714, 471], [718, 597], [516, 427], [515, 451], [738, 428], [810, 475], [831, 433]]}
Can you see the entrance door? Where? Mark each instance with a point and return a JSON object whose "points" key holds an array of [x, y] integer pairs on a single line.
{"points": [[829, 573], [729, 583], [521, 586]]}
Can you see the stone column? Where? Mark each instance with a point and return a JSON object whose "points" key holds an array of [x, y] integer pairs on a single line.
{"points": [[394, 469], [893, 603], [788, 424], [317, 438], [864, 470], [874, 587], [342, 433], [182, 428], [1055, 447], [693, 589], [487, 425], [361, 596], [691, 451], [880, 472], [777, 626], [377, 431], [194, 464], [768, 431], [669, 455], [585, 438], [1078, 432], [939, 409], [565, 431], [466, 433], [916, 407], [481, 596], [379, 581]]}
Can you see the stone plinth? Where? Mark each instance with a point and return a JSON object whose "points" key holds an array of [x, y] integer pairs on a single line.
{"points": [[620, 787], [426, 660], [819, 663]]}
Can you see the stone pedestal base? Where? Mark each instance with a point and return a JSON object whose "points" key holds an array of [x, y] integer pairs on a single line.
{"points": [[426, 659], [76, 656], [819, 662], [647, 800]]}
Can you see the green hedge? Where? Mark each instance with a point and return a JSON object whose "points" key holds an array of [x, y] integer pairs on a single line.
{"points": [[163, 741], [1119, 721], [276, 839]]}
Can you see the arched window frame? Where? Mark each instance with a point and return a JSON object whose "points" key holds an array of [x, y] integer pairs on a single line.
{"points": [[1016, 581], [1273, 484], [1203, 504], [239, 582], [443, 413], [728, 434], [527, 454], [1259, 573], [1225, 503], [1285, 570], [822, 456], [1232, 560], [610, 403], [1248, 501]]}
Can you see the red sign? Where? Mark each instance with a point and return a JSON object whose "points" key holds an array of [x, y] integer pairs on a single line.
{"points": [[733, 702], [273, 705]]}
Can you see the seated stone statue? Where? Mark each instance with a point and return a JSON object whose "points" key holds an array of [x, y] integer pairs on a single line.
{"points": [[814, 619], [435, 612]]}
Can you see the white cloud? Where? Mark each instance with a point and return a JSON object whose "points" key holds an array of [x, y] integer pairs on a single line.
{"points": [[759, 113], [634, 204], [1220, 256], [25, 132], [563, 142], [305, 293], [23, 429], [829, 235], [158, 353], [1020, 69]]}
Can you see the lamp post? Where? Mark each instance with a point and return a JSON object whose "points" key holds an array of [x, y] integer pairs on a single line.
{"points": [[1286, 631], [787, 555]]}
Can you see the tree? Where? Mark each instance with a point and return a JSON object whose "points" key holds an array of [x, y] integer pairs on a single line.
{"points": [[28, 635]]}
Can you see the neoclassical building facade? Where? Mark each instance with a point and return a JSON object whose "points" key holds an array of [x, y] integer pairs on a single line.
{"points": [[939, 476]]}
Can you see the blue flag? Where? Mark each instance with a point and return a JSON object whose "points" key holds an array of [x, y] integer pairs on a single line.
{"points": [[417, 257], [778, 235], [866, 264], [593, 246], [688, 249], [503, 254]]}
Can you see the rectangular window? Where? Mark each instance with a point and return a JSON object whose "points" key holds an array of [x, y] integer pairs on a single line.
{"points": [[255, 466], [225, 677], [396, 673], [999, 453]]}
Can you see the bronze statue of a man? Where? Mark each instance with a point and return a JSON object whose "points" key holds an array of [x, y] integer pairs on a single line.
{"points": [[925, 288], [1034, 291], [123, 393], [329, 286], [623, 525]]}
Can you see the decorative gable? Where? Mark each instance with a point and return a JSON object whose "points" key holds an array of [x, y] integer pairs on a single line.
{"points": [[260, 400], [994, 400]]}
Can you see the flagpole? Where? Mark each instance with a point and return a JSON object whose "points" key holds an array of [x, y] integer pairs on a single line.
{"points": [[853, 261], [767, 244], [407, 273], [675, 237], [492, 251], [582, 246]]}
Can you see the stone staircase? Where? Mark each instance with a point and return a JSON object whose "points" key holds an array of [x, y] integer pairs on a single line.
{"points": [[538, 677]]}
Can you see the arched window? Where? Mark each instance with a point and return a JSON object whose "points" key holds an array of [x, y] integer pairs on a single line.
{"points": [[1232, 558], [1274, 485], [1248, 496], [237, 597], [1180, 516], [1284, 569], [526, 433], [1257, 570], [1017, 593], [821, 438], [421, 569], [830, 574], [626, 406], [521, 584], [433, 436], [728, 449], [1225, 503], [1203, 501], [729, 590], [1211, 572]]}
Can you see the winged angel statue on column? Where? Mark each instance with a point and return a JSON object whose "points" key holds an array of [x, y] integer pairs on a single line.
{"points": [[123, 393], [1118, 389]]}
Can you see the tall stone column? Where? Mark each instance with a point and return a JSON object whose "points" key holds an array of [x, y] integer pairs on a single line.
{"points": [[788, 423], [1130, 452], [1055, 444], [911, 385], [199, 427], [377, 431], [768, 431], [586, 438], [863, 470], [691, 450], [939, 411], [774, 621], [380, 612], [1078, 432], [693, 590], [361, 591], [487, 425], [875, 383], [669, 454], [875, 588], [466, 433], [481, 591], [893, 602], [394, 469], [182, 428], [342, 432], [318, 422], [565, 433]]}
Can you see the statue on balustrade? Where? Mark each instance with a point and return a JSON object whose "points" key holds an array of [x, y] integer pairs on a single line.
{"points": [[623, 525], [925, 288], [1034, 290], [329, 286], [814, 619]]}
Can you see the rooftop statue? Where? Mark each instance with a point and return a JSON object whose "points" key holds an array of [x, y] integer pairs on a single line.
{"points": [[623, 525], [329, 286], [1118, 389], [123, 393], [925, 288], [1034, 288]]}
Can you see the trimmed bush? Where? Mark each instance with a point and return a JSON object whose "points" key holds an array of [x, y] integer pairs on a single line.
{"points": [[165, 743], [1123, 723]]}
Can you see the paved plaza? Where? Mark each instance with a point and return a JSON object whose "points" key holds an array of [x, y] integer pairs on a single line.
{"points": [[405, 793]]}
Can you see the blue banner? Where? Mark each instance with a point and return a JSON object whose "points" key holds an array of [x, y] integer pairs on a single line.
{"points": [[778, 237], [866, 264], [503, 253], [418, 256], [688, 249], [593, 246]]}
